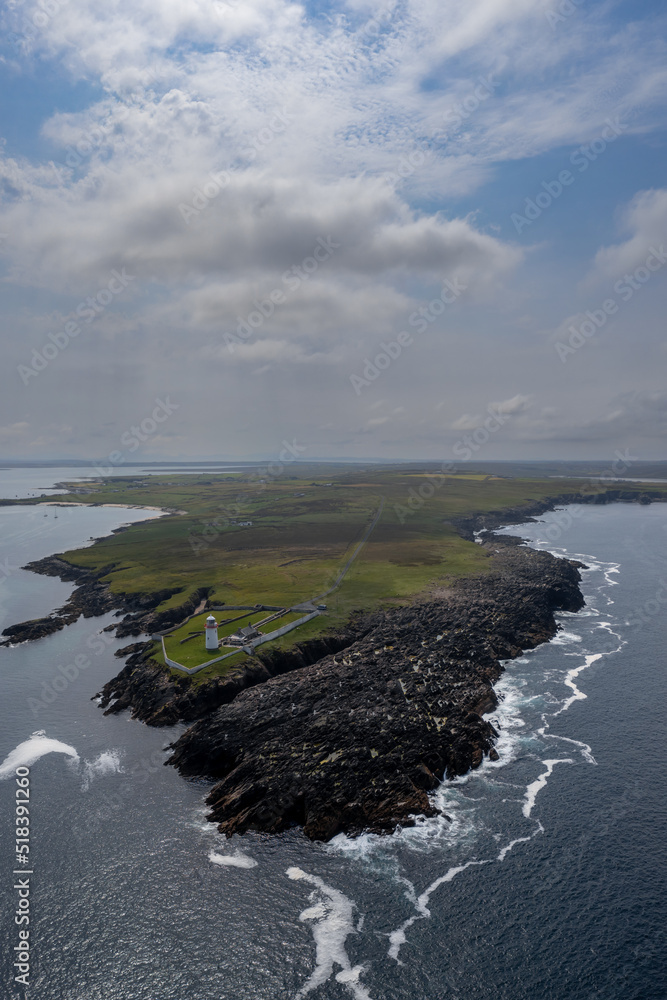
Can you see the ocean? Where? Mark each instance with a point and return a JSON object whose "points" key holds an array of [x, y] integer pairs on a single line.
{"points": [[548, 880]]}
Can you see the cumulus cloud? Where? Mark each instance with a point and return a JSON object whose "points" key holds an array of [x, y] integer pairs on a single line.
{"points": [[517, 404], [233, 143], [253, 223]]}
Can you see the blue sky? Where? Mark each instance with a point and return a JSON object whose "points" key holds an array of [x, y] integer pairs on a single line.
{"points": [[407, 138]]}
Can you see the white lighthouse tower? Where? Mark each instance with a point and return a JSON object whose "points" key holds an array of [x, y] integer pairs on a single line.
{"points": [[211, 633]]}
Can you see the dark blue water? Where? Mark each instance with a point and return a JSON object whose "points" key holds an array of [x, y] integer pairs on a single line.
{"points": [[549, 882]]}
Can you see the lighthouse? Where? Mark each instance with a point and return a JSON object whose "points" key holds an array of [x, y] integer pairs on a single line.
{"points": [[211, 633]]}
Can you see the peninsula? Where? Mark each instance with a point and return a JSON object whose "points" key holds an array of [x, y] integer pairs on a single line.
{"points": [[399, 602]]}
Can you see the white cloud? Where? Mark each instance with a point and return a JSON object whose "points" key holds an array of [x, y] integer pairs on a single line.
{"points": [[517, 404], [645, 222], [309, 117]]}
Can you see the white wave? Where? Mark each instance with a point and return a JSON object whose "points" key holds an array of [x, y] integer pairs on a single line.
{"points": [[332, 913], [28, 752], [515, 720], [108, 762], [518, 840], [563, 638], [569, 682], [236, 860], [398, 937], [535, 787], [585, 748], [458, 821]]}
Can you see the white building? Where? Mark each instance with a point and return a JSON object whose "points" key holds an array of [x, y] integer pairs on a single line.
{"points": [[211, 633]]}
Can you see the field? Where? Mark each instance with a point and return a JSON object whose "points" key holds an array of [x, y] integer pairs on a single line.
{"points": [[184, 647], [304, 527]]}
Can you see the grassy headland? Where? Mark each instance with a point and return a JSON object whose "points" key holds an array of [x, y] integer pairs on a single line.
{"points": [[304, 526]]}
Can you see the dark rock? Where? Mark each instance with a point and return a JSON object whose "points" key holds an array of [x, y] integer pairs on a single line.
{"points": [[159, 698], [93, 598], [356, 740]]}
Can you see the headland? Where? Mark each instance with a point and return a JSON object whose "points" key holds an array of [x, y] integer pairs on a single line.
{"points": [[349, 721]]}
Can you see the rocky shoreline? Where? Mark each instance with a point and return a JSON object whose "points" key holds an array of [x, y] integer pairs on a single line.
{"points": [[356, 741], [349, 732], [93, 597]]}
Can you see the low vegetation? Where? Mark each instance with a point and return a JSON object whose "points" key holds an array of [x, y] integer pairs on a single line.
{"points": [[304, 526]]}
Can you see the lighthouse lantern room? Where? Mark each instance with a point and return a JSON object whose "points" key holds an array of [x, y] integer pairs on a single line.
{"points": [[211, 633]]}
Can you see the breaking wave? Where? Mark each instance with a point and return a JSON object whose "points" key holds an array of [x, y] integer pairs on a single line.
{"points": [[529, 701], [332, 914], [236, 860], [29, 752]]}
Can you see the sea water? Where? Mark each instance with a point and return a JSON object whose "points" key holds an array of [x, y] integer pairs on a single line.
{"points": [[547, 881]]}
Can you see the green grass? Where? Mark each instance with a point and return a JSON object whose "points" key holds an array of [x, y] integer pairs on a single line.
{"points": [[193, 651], [297, 544], [221, 669]]}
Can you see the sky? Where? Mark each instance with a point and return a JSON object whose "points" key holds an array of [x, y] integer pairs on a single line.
{"points": [[407, 230]]}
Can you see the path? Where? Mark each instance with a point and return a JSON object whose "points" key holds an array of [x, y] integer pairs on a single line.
{"points": [[341, 575]]}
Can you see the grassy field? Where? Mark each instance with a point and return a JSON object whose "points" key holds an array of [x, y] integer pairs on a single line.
{"points": [[190, 650], [304, 526]]}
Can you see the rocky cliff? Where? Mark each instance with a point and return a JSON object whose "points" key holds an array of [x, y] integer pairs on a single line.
{"points": [[357, 740], [93, 597]]}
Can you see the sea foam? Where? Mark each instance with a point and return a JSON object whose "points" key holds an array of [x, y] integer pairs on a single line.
{"points": [[108, 762], [30, 751], [333, 917], [514, 739], [236, 860]]}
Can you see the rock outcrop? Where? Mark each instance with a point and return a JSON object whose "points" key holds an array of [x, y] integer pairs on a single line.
{"points": [[357, 740], [351, 731], [93, 597], [160, 698]]}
